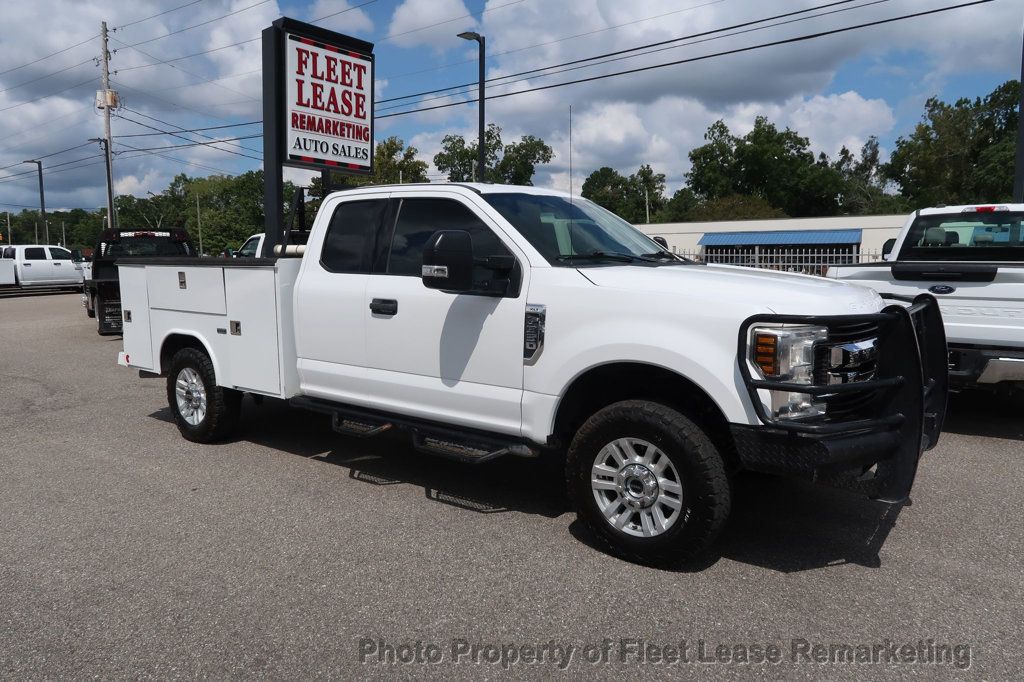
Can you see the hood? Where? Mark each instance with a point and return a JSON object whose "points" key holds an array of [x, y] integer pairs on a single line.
{"points": [[782, 293]]}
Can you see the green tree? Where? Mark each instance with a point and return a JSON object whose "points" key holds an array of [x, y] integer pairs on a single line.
{"points": [[608, 188], [627, 197], [734, 207], [514, 163], [775, 165], [677, 209], [959, 153], [645, 188], [714, 172]]}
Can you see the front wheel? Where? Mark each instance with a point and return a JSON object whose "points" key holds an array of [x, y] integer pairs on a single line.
{"points": [[648, 482], [203, 411]]}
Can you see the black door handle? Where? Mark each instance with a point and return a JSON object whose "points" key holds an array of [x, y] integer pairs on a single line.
{"points": [[384, 306]]}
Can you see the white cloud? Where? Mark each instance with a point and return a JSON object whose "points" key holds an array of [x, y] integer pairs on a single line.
{"points": [[343, 16], [445, 18]]}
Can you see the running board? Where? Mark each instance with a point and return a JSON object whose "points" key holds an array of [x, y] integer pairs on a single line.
{"points": [[464, 445], [467, 449], [362, 427]]}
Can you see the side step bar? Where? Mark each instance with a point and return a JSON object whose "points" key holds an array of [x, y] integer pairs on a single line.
{"points": [[464, 445]]}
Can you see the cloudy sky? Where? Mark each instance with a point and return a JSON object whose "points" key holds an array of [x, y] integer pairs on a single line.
{"points": [[837, 89]]}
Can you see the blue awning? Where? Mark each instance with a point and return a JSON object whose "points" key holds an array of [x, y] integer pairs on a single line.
{"points": [[782, 238]]}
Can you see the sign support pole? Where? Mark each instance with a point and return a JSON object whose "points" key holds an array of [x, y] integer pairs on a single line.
{"points": [[273, 176]]}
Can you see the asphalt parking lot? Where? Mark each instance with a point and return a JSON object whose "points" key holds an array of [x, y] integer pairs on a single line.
{"points": [[292, 552]]}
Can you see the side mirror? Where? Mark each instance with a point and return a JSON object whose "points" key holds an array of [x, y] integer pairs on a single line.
{"points": [[887, 247], [76, 255], [448, 261], [662, 242]]}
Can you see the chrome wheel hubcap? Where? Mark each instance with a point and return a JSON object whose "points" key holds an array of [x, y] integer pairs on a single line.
{"points": [[636, 487], [190, 396]]}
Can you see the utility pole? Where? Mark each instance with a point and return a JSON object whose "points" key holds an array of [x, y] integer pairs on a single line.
{"points": [[37, 232], [63, 236], [647, 203], [107, 99], [42, 201], [10, 238]]}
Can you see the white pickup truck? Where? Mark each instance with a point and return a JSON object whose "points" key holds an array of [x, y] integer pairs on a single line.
{"points": [[492, 321], [972, 259], [39, 266]]}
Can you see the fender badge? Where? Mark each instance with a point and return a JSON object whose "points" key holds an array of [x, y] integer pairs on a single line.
{"points": [[942, 289]]}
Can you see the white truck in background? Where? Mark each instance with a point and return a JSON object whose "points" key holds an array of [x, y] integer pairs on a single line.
{"points": [[971, 258], [39, 266], [492, 321]]}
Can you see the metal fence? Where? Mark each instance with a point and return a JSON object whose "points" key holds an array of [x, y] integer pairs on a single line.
{"points": [[783, 258]]}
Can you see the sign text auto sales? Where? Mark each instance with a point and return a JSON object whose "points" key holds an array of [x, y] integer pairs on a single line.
{"points": [[329, 105]]}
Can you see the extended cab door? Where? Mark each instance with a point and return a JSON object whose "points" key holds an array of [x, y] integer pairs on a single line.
{"points": [[330, 338], [456, 358]]}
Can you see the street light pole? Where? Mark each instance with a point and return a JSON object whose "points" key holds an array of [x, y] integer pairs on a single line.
{"points": [[42, 198], [481, 154]]}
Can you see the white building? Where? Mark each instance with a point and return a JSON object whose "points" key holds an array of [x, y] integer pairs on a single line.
{"points": [[847, 234]]}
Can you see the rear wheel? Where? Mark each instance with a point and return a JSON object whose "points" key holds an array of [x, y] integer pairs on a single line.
{"points": [[203, 411], [648, 482]]}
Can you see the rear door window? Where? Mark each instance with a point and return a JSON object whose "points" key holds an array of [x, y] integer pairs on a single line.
{"points": [[351, 234], [35, 253]]}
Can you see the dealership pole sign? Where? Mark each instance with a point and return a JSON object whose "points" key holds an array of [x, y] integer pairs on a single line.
{"points": [[318, 90]]}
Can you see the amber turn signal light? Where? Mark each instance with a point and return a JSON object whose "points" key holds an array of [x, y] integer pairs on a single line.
{"points": [[766, 354]]}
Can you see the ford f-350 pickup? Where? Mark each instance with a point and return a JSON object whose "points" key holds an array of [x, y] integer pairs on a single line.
{"points": [[972, 259], [493, 321]]}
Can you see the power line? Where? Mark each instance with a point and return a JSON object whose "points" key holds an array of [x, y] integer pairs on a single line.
{"points": [[52, 73], [392, 36], [198, 144], [41, 133], [689, 60], [179, 128], [241, 42], [189, 130], [48, 169], [158, 14], [52, 54], [204, 23], [173, 158], [556, 40], [631, 49], [183, 70], [52, 94], [580, 63], [187, 139], [46, 156]]}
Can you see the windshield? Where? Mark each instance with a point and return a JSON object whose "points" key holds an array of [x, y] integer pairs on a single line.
{"points": [[570, 232], [145, 246], [968, 236]]}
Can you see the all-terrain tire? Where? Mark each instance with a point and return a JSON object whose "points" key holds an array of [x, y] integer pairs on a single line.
{"points": [[223, 405], [705, 499]]}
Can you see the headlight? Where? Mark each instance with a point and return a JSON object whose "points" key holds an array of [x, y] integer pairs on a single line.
{"points": [[785, 353]]}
